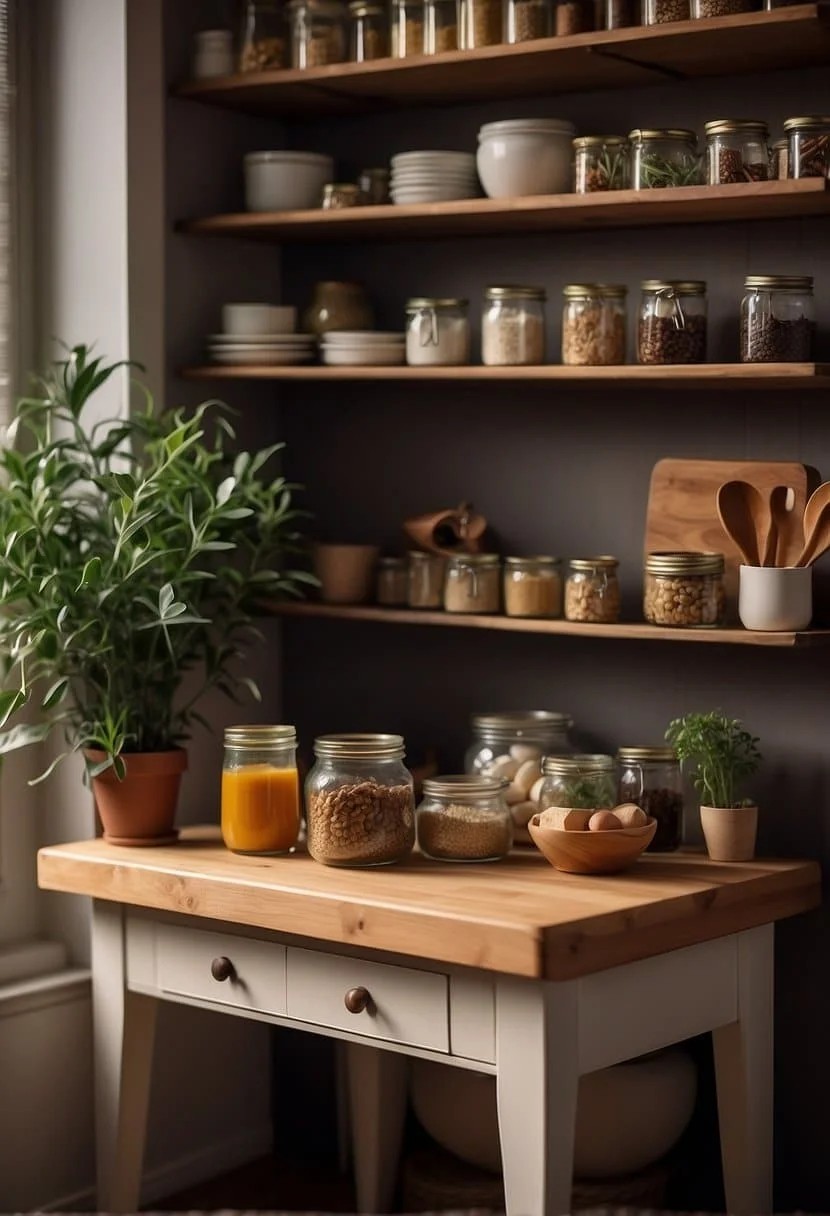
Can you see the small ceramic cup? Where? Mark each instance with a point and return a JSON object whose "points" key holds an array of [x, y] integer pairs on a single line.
{"points": [[346, 572], [775, 598], [251, 320]]}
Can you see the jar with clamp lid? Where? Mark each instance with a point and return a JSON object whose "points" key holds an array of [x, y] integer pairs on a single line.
{"points": [[440, 26], [513, 327], [601, 162], [809, 146], [664, 158], [672, 326], [593, 324], [504, 742], [369, 32], [407, 28], [260, 789], [437, 332], [583, 782], [736, 151], [263, 41], [778, 319], [650, 778], [464, 818], [684, 590], [318, 32], [592, 591], [473, 583]]}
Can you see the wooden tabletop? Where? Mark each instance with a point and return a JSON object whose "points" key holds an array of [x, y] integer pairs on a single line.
{"points": [[518, 916]]}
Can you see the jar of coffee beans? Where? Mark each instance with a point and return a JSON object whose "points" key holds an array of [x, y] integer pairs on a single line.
{"points": [[684, 590], [593, 324], [584, 782], [464, 818], [513, 327], [592, 591], [473, 583], [736, 151], [663, 158], [661, 12], [525, 20], [369, 34], [672, 327], [650, 777], [777, 319], [408, 19], [809, 146], [601, 162], [359, 801], [318, 32], [480, 23]]}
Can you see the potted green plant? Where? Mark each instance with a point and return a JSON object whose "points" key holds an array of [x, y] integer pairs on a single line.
{"points": [[723, 755], [134, 551]]}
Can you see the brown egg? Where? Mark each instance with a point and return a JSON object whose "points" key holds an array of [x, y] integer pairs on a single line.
{"points": [[630, 815], [604, 821]]}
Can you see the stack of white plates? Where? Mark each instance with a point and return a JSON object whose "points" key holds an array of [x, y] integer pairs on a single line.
{"points": [[364, 348], [276, 350], [433, 177]]}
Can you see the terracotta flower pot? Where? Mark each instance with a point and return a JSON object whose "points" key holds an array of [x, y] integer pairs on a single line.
{"points": [[139, 810], [729, 832]]}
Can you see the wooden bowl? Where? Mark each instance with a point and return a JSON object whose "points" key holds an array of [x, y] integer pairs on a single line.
{"points": [[591, 852]]}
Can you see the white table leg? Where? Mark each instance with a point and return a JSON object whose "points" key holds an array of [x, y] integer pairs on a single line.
{"points": [[377, 1100], [743, 1067], [536, 1086], [124, 1023]]}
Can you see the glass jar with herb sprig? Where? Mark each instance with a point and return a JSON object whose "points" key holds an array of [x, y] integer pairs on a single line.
{"points": [[664, 158], [601, 162], [586, 782]]}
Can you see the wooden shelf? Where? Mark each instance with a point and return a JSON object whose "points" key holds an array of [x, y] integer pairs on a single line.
{"points": [[629, 632], [750, 42]]}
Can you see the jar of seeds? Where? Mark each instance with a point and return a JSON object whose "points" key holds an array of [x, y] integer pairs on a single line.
{"points": [[779, 160], [533, 586], [664, 158], [426, 576], [778, 319], [441, 26], [481, 23], [392, 582], [473, 583], [809, 146], [263, 37], [359, 801], [585, 782], [736, 151], [525, 20], [592, 591], [684, 590], [407, 28], [601, 162], [672, 326], [661, 12], [318, 32], [464, 818], [573, 16], [593, 324], [650, 778], [513, 327], [701, 9], [369, 33], [617, 14]]}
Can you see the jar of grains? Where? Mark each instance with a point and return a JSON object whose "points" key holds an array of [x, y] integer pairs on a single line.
{"points": [[617, 14], [736, 151], [572, 16], [464, 818], [407, 28], [263, 37], [778, 319], [426, 575], [359, 800], [779, 160], [525, 20], [672, 326], [369, 34], [318, 32], [392, 582], [533, 586], [660, 12], [664, 158], [592, 591], [582, 782], [601, 162], [441, 26], [260, 790], [684, 590], [650, 777], [701, 9], [480, 22], [513, 327], [437, 332], [593, 324], [809, 146], [473, 583]]}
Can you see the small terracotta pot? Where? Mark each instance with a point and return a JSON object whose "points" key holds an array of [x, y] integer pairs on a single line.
{"points": [[730, 832], [139, 810], [346, 572]]}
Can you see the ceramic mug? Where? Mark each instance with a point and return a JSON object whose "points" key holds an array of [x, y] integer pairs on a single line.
{"points": [[775, 598], [346, 572]]}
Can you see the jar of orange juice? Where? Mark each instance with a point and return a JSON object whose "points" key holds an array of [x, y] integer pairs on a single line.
{"points": [[260, 789]]}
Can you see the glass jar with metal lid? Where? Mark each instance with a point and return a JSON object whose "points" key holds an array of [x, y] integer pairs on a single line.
{"points": [[437, 332], [359, 800], [503, 742], [809, 146], [480, 23], [601, 162], [533, 586], [473, 583], [736, 151], [318, 32], [664, 158], [684, 590], [464, 818], [337, 196], [407, 28], [672, 325], [525, 20], [592, 591], [513, 327], [778, 319], [779, 160], [650, 777], [660, 12], [702, 9], [593, 324], [392, 582], [369, 32], [585, 782], [263, 40], [426, 576], [441, 26], [260, 789]]}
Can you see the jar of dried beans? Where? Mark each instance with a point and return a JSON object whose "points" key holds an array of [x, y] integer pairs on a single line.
{"points": [[592, 591], [263, 36], [464, 818], [533, 586], [318, 32], [660, 12], [650, 778], [809, 146], [778, 319], [702, 9], [584, 782], [672, 327], [736, 151], [593, 325], [426, 575], [601, 162], [513, 327], [441, 26], [664, 158], [480, 22], [359, 801], [573, 16], [684, 590], [473, 583], [525, 20], [369, 34], [437, 332]]}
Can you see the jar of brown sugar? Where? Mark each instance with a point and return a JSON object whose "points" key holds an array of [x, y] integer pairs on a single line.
{"points": [[473, 583], [684, 590], [592, 591], [533, 586]]}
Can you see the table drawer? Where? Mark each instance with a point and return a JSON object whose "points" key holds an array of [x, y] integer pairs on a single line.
{"points": [[405, 1006], [184, 958]]}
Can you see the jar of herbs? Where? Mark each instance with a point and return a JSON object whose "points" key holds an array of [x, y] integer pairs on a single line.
{"points": [[736, 151], [684, 590], [440, 26], [533, 586], [593, 324], [513, 327], [426, 576], [672, 326], [437, 332], [480, 23], [464, 818], [778, 319], [503, 742], [263, 37], [585, 782], [809, 146], [650, 777], [525, 20], [592, 591], [392, 582], [318, 32], [664, 158], [260, 809], [369, 32], [473, 583], [601, 162]]}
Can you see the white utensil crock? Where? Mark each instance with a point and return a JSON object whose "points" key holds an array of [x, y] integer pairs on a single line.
{"points": [[775, 597]]}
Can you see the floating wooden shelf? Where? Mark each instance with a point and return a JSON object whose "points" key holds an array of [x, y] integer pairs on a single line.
{"points": [[750, 42]]}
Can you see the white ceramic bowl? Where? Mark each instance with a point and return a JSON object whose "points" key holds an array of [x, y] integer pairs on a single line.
{"points": [[772, 598], [245, 319], [286, 181], [517, 159]]}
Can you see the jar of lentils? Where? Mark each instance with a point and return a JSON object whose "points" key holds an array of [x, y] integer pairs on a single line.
{"points": [[464, 818], [369, 35], [408, 18], [684, 590], [525, 20], [601, 162], [586, 782], [359, 801], [736, 151], [426, 575], [533, 586], [318, 32], [480, 23], [592, 591], [672, 326], [778, 319], [392, 582], [664, 158], [473, 583], [440, 26], [503, 742], [650, 778], [661, 12], [593, 324], [513, 327], [809, 146]]}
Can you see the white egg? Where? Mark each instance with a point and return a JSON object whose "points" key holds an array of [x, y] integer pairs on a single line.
{"points": [[536, 790], [504, 766], [525, 751], [527, 776]]}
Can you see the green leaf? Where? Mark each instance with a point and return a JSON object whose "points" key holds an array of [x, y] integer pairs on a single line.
{"points": [[22, 736], [90, 573], [224, 491], [47, 772], [55, 694], [10, 702], [166, 598]]}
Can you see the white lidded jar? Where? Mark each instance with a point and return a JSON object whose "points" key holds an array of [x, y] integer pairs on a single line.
{"points": [[437, 332]]}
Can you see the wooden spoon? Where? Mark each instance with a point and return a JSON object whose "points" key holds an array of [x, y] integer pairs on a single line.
{"points": [[815, 505], [744, 517], [818, 538], [779, 527]]}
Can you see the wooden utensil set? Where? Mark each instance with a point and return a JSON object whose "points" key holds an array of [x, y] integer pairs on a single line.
{"points": [[767, 527]]}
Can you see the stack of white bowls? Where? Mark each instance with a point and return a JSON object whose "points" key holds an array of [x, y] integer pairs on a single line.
{"points": [[260, 335], [525, 156], [433, 177], [362, 348]]}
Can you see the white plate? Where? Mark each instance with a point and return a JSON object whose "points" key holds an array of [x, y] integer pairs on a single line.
{"points": [[438, 158], [262, 358], [379, 357], [343, 337], [462, 183], [407, 197], [260, 339]]}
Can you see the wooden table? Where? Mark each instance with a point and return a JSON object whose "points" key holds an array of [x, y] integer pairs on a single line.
{"points": [[511, 969]]}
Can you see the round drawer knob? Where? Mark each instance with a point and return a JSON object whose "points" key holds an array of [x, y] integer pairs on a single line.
{"points": [[222, 969], [357, 1000]]}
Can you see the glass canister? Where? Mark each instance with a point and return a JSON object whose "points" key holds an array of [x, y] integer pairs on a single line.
{"points": [[473, 583], [601, 162], [407, 28], [593, 324], [650, 777], [584, 782], [464, 818], [263, 36], [684, 590], [572, 16], [360, 803], [504, 742], [525, 20], [437, 332], [617, 14], [369, 32], [672, 327], [736, 151], [809, 146], [703, 9], [260, 790], [392, 582], [779, 160], [661, 159], [426, 575], [441, 26], [533, 586], [778, 319], [318, 32], [660, 12], [592, 591], [513, 327], [480, 23]]}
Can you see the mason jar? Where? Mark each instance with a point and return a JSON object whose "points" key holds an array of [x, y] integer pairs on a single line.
{"points": [[684, 590], [513, 327], [592, 591], [407, 28], [437, 332], [672, 326], [263, 36], [426, 576], [260, 804], [441, 26], [585, 782], [778, 319], [318, 32], [660, 12], [809, 146], [617, 14], [464, 818], [369, 32], [593, 324], [503, 742], [533, 586], [526, 20], [480, 23], [359, 799], [664, 158], [601, 162], [650, 777], [779, 160], [473, 583], [736, 151], [392, 582]]}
